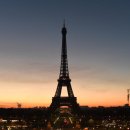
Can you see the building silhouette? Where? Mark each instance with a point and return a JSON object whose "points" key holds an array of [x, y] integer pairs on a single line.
{"points": [[64, 81]]}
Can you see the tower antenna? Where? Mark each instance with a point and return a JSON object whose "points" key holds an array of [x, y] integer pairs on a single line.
{"points": [[64, 23]]}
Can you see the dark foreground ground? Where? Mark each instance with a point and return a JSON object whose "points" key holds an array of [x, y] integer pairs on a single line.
{"points": [[100, 118]]}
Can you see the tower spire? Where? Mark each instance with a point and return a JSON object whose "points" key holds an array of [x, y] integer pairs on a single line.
{"points": [[64, 72]]}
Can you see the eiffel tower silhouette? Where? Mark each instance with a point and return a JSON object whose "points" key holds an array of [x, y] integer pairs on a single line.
{"points": [[64, 81]]}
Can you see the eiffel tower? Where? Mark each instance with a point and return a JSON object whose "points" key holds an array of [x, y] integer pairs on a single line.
{"points": [[64, 81]]}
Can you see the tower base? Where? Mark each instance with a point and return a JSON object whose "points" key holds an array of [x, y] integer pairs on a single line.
{"points": [[64, 112], [71, 102]]}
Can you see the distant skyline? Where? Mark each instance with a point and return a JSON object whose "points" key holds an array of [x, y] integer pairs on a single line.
{"points": [[98, 43]]}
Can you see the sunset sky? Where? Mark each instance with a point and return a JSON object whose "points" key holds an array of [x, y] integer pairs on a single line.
{"points": [[98, 41]]}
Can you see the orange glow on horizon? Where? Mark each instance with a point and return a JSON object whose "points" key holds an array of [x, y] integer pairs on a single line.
{"points": [[32, 105], [91, 93]]}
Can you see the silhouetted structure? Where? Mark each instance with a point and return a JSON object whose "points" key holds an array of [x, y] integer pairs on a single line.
{"points": [[64, 81], [128, 96], [19, 105]]}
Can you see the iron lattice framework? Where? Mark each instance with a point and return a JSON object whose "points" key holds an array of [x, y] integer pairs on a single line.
{"points": [[64, 81]]}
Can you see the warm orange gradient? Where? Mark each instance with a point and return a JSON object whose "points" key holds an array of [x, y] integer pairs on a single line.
{"points": [[89, 90]]}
